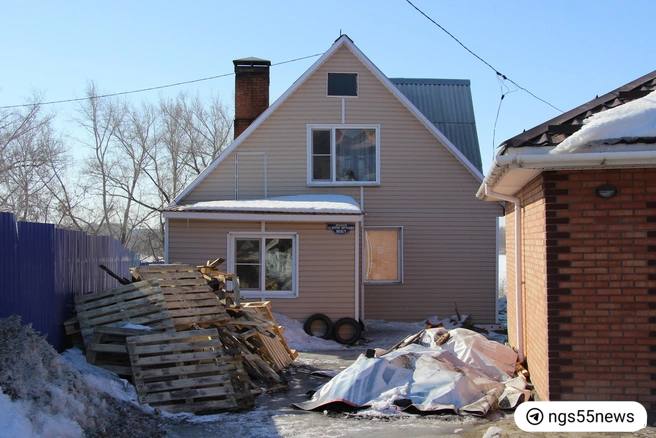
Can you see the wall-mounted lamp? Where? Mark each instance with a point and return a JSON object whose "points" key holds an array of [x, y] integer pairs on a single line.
{"points": [[606, 191]]}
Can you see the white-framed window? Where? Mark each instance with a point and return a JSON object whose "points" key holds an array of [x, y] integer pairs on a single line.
{"points": [[342, 85], [347, 155], [384, 255], [266, 263]]}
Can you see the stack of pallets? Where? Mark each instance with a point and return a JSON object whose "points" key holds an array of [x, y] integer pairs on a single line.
{"points": [[187, 296], [183, 348], [188, 371]]}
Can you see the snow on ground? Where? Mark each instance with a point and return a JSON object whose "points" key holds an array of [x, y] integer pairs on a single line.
{"points": [[287, 204], [45, 394], [629, 121], [298, 340], [100, 379]]}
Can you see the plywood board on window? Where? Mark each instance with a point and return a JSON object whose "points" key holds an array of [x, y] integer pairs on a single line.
{"points": [[382, 255]]}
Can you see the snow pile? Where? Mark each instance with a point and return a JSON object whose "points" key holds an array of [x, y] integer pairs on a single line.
{"points": [[43, 394], [298, 340], [468, 374], [632, 120], [287, 204]]}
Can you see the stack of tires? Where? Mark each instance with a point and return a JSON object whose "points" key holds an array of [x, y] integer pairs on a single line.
{"points": [[346, 331]]}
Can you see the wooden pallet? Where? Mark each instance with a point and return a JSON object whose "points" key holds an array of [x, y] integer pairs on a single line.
{"points": [[187, 295], [269, 346], [262, 311], [138, 303], [108, 349], [188, 372]]}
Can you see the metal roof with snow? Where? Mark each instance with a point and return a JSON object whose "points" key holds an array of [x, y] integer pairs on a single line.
{"points": [[447, 103]]}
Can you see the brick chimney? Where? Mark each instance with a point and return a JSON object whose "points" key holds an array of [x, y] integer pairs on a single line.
{"points": [[251, 91]]}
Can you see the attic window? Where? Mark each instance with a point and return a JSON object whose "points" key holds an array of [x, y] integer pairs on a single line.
{"points": [[343, 84]]}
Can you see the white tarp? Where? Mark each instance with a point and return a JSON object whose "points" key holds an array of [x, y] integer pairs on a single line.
{"points": [[469, 374]]}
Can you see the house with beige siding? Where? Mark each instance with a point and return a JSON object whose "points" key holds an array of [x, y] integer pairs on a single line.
{"points": [[352, 195]]}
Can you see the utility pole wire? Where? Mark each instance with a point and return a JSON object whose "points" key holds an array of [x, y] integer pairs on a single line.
{"points": [[141, 90], [483, 60]]}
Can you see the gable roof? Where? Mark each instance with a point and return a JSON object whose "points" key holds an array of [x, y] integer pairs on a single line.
{"points": [[447, 103], [342, 41], [554, 131]]}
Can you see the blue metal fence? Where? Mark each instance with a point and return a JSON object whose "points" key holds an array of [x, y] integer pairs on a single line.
{"points": [[43, 267]]}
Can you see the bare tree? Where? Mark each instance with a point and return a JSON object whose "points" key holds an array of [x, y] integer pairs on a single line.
{"points": [[139, 158], [30, 153]]}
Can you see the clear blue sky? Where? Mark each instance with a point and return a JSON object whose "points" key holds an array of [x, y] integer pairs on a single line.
{"points": [[565, 51]]}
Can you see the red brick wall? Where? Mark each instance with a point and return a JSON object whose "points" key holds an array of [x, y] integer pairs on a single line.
{"points": [[589, 267], [601, 277], [534, 307], [251, 95]]}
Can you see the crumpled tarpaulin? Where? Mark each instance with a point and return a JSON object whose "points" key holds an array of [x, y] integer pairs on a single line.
{"points": [[468, 374]]}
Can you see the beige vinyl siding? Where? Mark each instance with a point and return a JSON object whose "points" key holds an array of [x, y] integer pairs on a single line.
{"points": [[449, 236], [326, 261], [251, 175]]}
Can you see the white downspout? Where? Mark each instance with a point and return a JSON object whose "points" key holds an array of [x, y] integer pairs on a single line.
{"points": [[519, 302]]}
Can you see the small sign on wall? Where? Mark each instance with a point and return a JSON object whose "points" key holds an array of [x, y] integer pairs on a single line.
{"points": [[340, 228]]}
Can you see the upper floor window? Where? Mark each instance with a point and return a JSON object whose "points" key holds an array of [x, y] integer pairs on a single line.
{"points": [[343, 155], [343, 84]]}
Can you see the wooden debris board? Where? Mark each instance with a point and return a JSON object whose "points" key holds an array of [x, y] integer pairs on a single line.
{"points": [[269, 346], [187, 372], [138, 303], [187, 295], [261, 311], [108, 349]]}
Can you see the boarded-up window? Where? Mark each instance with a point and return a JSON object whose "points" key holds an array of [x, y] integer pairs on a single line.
{"points": [[384, 254]]}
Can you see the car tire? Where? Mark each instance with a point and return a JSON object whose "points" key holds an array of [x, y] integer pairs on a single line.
{"points": [[347, 331], [318, 325]]}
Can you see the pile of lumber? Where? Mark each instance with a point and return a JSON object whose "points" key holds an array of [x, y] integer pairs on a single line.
{"points": [[184, 348]]}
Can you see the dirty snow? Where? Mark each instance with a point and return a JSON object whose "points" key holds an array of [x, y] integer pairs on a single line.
{"points": [[632, 120], [283, 204], [46, 395], [99, 378], [298, 340]]}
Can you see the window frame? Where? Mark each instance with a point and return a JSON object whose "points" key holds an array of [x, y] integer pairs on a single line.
{"points": [[400, 258], [333, 156], [262, 236], [357, 85]]}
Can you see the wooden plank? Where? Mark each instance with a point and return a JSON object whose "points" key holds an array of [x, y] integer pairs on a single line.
{"points": [[157, 337], [174, 347], [110, 292]]}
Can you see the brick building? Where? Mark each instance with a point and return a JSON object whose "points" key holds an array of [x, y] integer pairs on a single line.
{"points": [[582, 280]]}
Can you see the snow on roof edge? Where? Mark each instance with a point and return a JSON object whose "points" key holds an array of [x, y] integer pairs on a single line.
{"points": [[336, 204]]}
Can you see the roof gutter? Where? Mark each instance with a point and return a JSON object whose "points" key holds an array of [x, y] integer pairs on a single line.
{"points": [[581, 160], [519, 299]]}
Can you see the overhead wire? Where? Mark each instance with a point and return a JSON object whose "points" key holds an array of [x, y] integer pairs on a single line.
{"points": [[483, 60], [141, 90]]}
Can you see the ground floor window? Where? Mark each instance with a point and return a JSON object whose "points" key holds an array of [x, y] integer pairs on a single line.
{"points": [[384, 252], [265, 263]]}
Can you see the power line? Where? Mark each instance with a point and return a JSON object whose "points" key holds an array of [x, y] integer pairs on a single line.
{"points": [[141, 90], [481, 59], [504, 90]]}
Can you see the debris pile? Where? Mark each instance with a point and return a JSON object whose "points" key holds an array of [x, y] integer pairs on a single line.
{"points": [[175, 332], [433, 371]]}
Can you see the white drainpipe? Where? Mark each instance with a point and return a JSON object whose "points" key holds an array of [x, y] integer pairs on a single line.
{"points": [[519, 315]]}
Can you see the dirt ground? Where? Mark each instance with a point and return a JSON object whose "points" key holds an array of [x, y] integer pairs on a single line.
{"points": [[274, 417]]}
